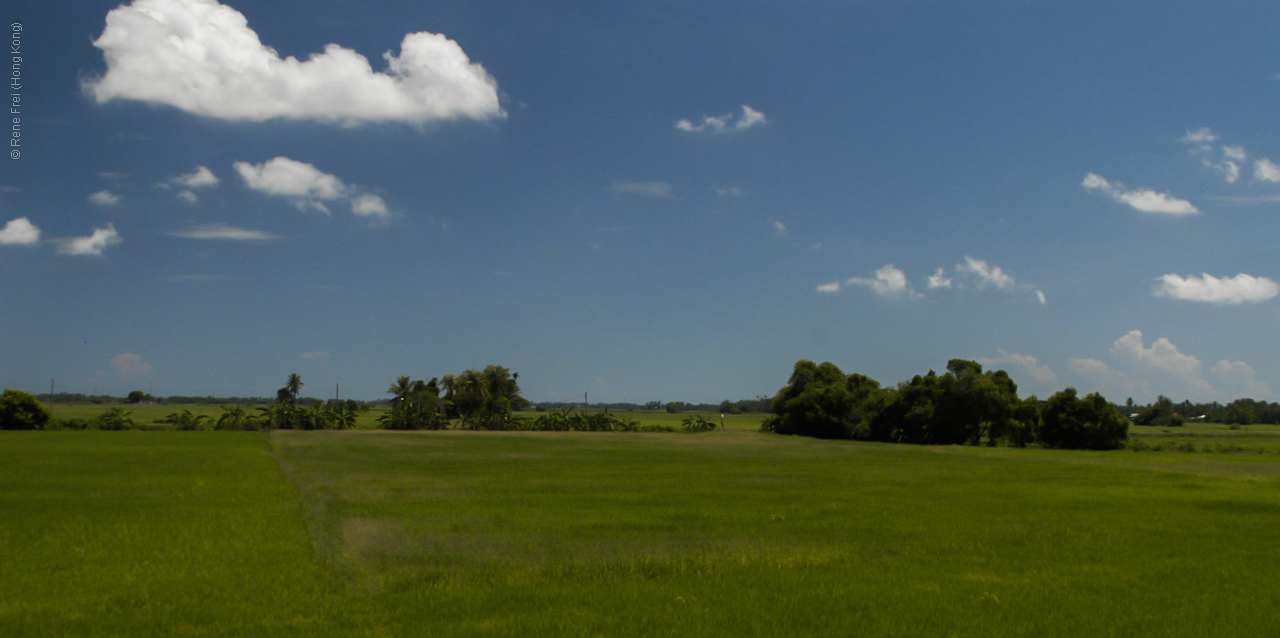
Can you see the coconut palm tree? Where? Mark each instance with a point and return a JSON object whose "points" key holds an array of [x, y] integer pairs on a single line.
{"points": [[293, 386], [450, 385]]}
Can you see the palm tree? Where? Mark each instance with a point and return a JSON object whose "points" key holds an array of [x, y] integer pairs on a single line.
{"points": [[472, 391], [450, 385], [402, 388], [232, 418], [293, 385]]}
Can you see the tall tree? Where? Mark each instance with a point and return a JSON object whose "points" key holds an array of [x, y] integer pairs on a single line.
{"points": [[293, 386]]}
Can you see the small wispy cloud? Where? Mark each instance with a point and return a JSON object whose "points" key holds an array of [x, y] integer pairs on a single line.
{"points": [[94, 245], [223, 232], [309, 188], [985, 274], [725, 123], [729, 191], [888, 282], [830, 287], [779, 228], [649, 189], [1206, 288], [1142, 200], [201, 177], [104, 198], [194, 277], [939, 279], [315, 356]]}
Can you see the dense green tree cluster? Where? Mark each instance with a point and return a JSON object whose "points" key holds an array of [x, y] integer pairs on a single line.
{"points": [[963, 405], [481, 399], [22, 411]]}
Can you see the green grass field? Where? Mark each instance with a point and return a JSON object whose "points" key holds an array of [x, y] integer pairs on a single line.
{"points": [[151, 414], [364, 533]]}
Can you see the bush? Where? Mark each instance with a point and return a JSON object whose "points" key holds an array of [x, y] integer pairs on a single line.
{"points": [[22, 411], [697, 423], [1091, 423], [115, 419]]}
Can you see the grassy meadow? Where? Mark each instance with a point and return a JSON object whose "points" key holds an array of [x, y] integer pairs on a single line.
{"points": [[151, 414], [369, 533]]}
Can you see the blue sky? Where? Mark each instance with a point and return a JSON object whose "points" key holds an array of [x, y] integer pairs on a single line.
{"points": [[644, 201]]}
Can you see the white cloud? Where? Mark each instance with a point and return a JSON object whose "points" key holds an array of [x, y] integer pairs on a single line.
{"points": [[93, 245], [1238, 379], [1265, 170], [1142, 200], [201, 56], [1102, 378], [201, 178], [104, 198], [314, 356], [831, 287], [992, 275], [888, 282], [939, 280], [223, 232], [130, 366], [1044, 301], [1200, 136], [1235, 153], [1162, 368], [724, 123], [284, 177], [189, 197], [1162, 365], [779, 228], [370, 205], [308, 188], [1043, 376], [651, 189], [731, 191], [1209, 289], [1162, 355], [19, 232]]}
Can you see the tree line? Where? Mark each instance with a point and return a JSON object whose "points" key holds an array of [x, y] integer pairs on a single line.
{"points": [[964, 405]]}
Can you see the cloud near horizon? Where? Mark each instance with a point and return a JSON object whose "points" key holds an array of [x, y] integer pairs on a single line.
{"points": [[1162, 368], [200, 56], [1142, 200]]}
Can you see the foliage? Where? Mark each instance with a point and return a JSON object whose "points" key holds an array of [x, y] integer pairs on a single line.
{"points": [[235, 417], [698, 423], [138, 396], [819, 401], [115, 419], [965, 405], [22, 411], [185, 420], [1091, 423]]}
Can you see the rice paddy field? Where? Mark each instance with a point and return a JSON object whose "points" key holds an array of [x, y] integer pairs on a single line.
{"points": [[371, 533]]}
